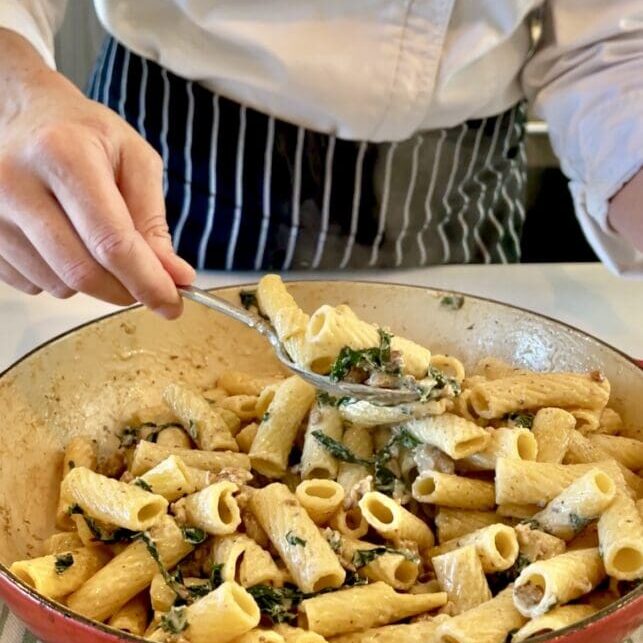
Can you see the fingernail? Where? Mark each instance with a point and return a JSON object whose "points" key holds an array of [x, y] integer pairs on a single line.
{"points": [[169, 311]]}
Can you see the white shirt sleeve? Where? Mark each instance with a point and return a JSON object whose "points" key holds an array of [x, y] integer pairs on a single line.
{"points": [[586, 81], [35, 20]]}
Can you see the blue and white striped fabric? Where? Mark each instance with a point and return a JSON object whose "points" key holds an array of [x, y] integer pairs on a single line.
{"points": [[247, 191]]}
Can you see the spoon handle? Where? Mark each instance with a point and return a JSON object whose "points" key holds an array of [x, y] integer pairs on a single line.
{"points": [[221, 305]]}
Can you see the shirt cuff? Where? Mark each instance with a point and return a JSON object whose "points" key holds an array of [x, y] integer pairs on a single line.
{"points": [[17, 18], [612, 152]]}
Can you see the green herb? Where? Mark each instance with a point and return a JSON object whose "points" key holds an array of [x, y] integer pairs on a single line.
{"points": [[117, 536], [216, 575], [353, 578], [521, 420], [193, 430], [370, 360], [278, 604], [129, 436], [364, 557], [499, 580], [139, 482], [193, 535], [174, 581], [198, 590], [326, 399], [174, 621], [454, 302], [532, 523], [71, 464], [578, 523], [294, 540], [334, 539], [248, 299], [63, 562], [510, 635], [338, 450], [265, 417], [384, 479], [442, 381]]}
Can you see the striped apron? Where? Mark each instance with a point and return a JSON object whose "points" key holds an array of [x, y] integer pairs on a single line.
{"points": [[247, 191]]}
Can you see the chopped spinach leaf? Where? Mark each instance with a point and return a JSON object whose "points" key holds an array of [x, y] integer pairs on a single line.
{"points": [[63, 562], [364, 557], [193, 430], [499, 580], [521, 420], [248, 299], [71, 465], [139, 482], [265, 417], [216, 575], [194, 535], [294, 540], [129, 436], [384, 479], [199, 590], [369, 360], [578, 523], [442, 381], [117, 536], [453, 302], [174, 621], [278, 604], [174, 581], [353, 579], [532, 523], [338, 450], [326, 399]]}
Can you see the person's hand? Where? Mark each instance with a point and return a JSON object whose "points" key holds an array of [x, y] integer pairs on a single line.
{"points": [[625, 213], [81, 199]]}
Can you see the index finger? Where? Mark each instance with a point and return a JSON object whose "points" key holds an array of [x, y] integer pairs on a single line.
{"points": [[83, 181]]}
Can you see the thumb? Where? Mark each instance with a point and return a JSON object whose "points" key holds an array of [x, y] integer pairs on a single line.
{"points": [[140, 181]]}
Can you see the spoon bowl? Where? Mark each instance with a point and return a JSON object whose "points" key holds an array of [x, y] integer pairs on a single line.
{"points": [[373, 394]]}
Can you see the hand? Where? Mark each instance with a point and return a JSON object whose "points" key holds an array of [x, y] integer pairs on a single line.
{"points": [[81, 199], [625, 212]]}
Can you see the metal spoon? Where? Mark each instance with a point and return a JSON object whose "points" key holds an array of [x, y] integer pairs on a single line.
{"points": [[337, 389]]}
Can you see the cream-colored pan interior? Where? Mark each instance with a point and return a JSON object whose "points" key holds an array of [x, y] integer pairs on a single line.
{"points": [[90, 380]]}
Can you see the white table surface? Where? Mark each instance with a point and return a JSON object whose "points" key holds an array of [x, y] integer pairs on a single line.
{"points": [[584, 295]]}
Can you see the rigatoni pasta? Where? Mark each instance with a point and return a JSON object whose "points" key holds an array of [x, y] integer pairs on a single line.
{"points": [[197, 544]]}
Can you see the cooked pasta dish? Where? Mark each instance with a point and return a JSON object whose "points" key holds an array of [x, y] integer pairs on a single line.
{"points": [[502, 504]]}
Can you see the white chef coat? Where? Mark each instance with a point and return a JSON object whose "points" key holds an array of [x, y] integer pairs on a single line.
{"points": [[380, 70]]}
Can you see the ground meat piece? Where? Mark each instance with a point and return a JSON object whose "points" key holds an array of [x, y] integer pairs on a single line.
{"points": [[383, 380], [430, 458], [359, 489], [113, 465], [529, 594]]}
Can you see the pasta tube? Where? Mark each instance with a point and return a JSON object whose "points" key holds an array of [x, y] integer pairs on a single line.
{"points": [[399, 570], [245, 562], [61, 542], [554, 620], [148, 455], [519, 444], [243, 406], [58, 575], [222, 615], [297, 635], [130, 572], [174, 437], [454, 435], [278, 429], [452, 523], [370, 415], [627, 451], [169, 478], [461, 576], [320, 498], [308, 557], [556, 581], [79, 452], [393, 521], [206, 427], [362, 607], [490, 622], [419, 632], [111, 501], [571, 510], [620, 537], [132, 617], [357, 440], [448, 490], [523, 482], [349, 522], [240, 383], [552, 428], [495, 398], [260, 636], [495, 545], [247, 436], [213, 509], [316, 462]]}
